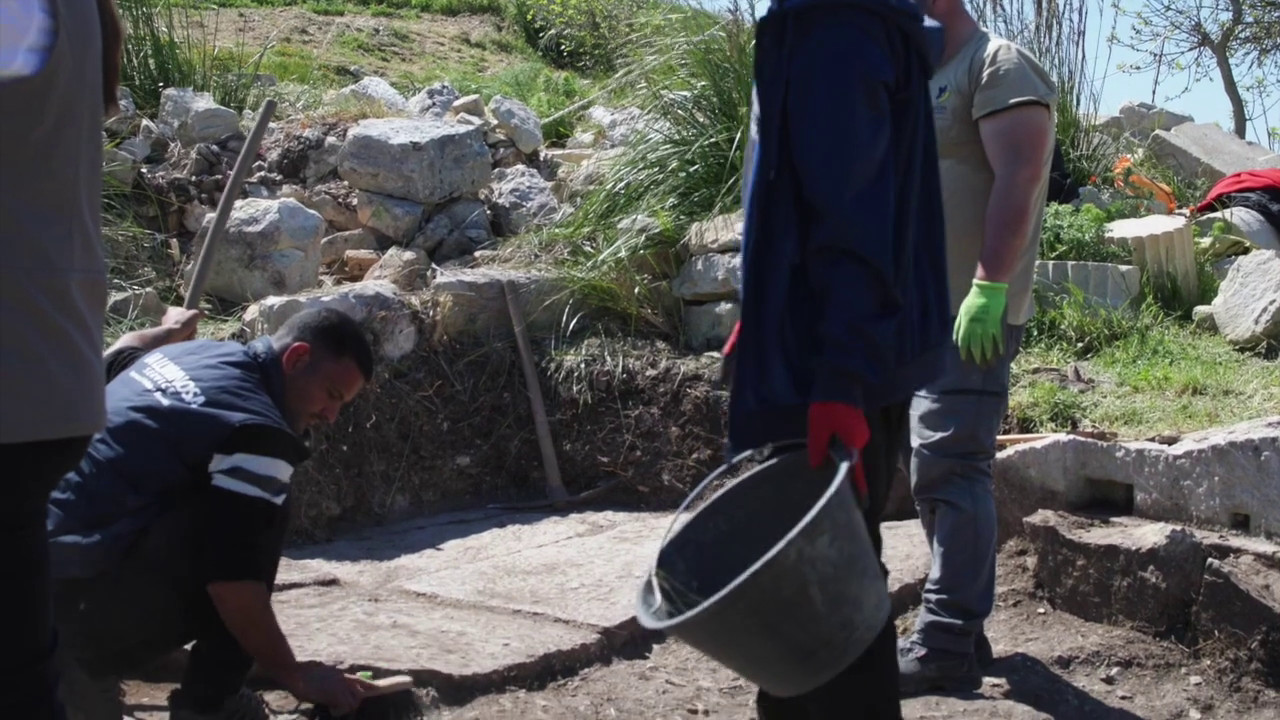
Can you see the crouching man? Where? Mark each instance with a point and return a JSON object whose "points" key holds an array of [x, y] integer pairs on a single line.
{"points": [[171, 528]]}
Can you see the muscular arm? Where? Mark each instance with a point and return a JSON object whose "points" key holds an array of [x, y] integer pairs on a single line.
{"points": [[1017, 142], [245, 608], [241, 526]]}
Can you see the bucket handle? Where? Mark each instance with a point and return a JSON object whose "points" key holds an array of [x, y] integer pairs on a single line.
{"points": [[844, 457]]}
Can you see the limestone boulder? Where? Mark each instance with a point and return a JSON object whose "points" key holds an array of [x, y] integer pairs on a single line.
{"points": [[519, 200], [717, 276], [455, 230], [334, 247], [722, 233], [517, 122], [1242, 222], [144, 306], [1247, 308], [1206, 151], [427, 161], [195, 117], [387, 317], [406, 269], [376, 92], [271, 247], [470, 304], [392, 217], [707, 326]]}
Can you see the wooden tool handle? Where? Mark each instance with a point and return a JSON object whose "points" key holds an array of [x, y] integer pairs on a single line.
{"points": [[389, 685], [248, 154], [555, 488]]}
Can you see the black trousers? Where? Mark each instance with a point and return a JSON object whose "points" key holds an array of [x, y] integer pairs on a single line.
{"points": [[868, 688], [28, 681], [150, 605]]}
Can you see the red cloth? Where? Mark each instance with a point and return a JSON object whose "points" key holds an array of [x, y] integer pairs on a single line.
{"points": [[1243, 181]]}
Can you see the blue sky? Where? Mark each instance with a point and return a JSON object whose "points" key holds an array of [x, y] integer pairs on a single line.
{"points": [[1205, 101]]}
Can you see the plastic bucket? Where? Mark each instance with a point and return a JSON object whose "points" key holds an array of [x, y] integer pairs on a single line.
{"points": [[775, 577]]}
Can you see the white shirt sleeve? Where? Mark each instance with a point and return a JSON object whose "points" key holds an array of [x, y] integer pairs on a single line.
{"points": [[26, 37]]}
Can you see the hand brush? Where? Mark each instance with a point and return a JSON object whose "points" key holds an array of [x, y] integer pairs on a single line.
{"points": [[394, 699]]}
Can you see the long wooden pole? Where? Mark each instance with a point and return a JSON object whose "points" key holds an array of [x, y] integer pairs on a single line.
{"points": [[555, 488]]}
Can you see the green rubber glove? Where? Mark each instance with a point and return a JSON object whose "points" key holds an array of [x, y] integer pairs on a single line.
{"points": [[979, 329]]}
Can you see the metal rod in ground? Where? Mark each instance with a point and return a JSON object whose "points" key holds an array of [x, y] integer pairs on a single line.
{"points": [[555, 489], [248, 154]]}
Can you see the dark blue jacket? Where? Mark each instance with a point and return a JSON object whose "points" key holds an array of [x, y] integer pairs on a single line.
{"points": [[183, 421], [844, 294]]}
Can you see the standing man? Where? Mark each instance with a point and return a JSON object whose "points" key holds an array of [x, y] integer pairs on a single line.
{"points": [[993, 111], [844, 296], [59, 65]]}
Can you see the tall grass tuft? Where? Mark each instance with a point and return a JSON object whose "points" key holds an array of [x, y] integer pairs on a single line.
{"points": [[169, 44], [692, 81], [1056, 34]]}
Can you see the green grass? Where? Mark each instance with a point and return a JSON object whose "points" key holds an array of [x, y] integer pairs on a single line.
{"points": [[1171, 378], [1151, 372], [373, 7]]}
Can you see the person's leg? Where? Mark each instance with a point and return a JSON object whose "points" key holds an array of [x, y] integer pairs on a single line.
{"points": [[954, 424], [153, 604], [27, 665]]}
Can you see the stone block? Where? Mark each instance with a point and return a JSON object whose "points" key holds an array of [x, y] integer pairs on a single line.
{"points": [[1103, 284], [1224, 477], [1162, 246], [334, 247], [271, 247], [1247, 308], [406, 269], [722, 233], [517, 122], [470, 303], [708, 326], [144, 306], [1240, 609], [393, 217], [705, 278], [1242, 222], [424, 160], [376, 92], [1119, 570], [1207, 151], [390, 321], [195, 117], [519, 199], [1142, 118]]}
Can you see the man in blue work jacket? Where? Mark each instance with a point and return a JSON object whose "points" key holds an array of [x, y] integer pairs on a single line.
{"points": [[844, 295]]}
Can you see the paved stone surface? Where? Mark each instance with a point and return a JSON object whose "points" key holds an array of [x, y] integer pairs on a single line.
{"points": [[939, 707], [468, 596], [398, 632]]}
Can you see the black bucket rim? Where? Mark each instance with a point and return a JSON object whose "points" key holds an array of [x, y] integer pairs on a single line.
{"points": [[645, 615]]}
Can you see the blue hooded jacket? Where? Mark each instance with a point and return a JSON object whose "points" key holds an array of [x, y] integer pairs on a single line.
{"points": [[844, 294]]}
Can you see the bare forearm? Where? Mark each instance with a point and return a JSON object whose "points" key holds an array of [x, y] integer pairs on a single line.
{"points": [[1010, 214], [148, 339], [245, 609]]}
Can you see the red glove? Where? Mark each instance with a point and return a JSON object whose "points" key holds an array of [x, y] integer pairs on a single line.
{"points": [[846, 423], [726, 355]]}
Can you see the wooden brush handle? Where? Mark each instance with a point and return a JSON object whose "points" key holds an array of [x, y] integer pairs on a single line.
{"points": [[389, 685]]}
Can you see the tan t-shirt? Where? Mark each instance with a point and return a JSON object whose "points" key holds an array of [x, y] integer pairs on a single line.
{"points": [[989, 74]]}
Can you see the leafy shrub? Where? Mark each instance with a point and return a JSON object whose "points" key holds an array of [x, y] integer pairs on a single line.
{"points": [[1078, 234], [581, 35]]}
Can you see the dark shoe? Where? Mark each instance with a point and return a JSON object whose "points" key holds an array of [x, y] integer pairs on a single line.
{"points": [[923, 670], [982, 651], [244, 705]]}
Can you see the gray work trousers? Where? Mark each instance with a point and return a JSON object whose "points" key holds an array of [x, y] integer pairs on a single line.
{"points": [[954, 423]]}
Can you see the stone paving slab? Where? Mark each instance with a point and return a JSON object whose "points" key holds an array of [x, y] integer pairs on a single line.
{"points": [[404, 633], [587, 578]]}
